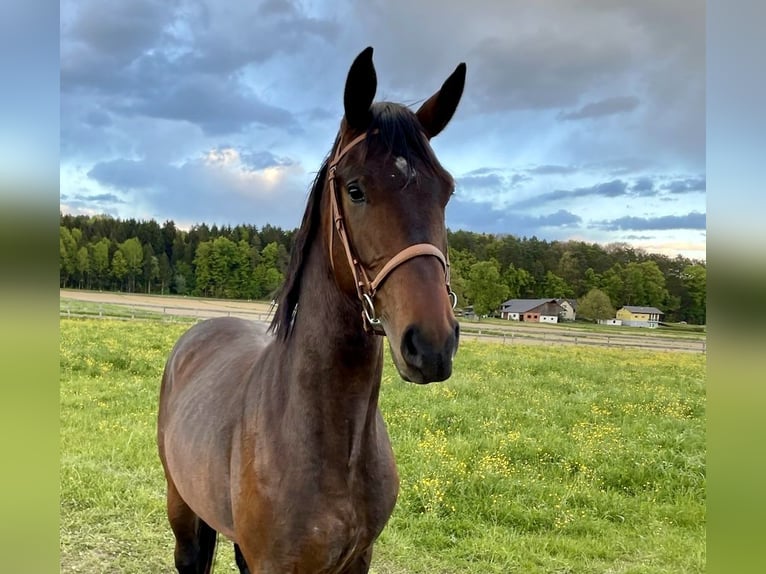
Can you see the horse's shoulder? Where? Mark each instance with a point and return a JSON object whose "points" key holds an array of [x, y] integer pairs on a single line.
{"points": [[225, 333]]}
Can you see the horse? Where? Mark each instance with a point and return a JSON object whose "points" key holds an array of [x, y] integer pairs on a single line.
{"points": [[272, 436]]}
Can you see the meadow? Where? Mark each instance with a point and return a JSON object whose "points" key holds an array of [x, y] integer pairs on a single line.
{"points": [[533, 459]]}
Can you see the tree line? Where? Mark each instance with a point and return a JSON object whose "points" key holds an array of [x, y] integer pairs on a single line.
{"points": [[244, 262]]}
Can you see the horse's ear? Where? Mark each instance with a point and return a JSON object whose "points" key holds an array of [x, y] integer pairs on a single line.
{"points": [[361, 84], [437, 111]]}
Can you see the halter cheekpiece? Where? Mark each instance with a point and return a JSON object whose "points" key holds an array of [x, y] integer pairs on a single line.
{"points": [[366, 288]]}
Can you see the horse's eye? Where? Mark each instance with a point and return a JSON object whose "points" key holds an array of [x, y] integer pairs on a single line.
{"points": [[355, 193]]}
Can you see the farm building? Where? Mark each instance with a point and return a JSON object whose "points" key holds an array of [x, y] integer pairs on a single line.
{"points": [[533, 310], [570, 309], [466, 312], [635, 316]]}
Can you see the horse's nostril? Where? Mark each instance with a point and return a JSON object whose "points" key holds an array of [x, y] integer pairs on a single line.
{"points": [[409, 346]]}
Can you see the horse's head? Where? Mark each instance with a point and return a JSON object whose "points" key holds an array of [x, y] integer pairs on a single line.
{"points": [[386, 195]]}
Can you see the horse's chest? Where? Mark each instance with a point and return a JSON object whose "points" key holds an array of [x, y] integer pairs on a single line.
{"points": [[326, 531], [343, 531], [334, 541]]}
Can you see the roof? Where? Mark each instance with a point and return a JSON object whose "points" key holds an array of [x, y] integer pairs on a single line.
{"points": [[523, 305], [639, 309]]}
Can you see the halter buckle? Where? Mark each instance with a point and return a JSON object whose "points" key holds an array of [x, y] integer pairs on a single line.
{"points": [[368, 308]]}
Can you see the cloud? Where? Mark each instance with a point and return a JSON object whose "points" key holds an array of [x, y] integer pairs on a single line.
{"points": [[539, 70], [98, 198], [552, 170], [472, 182], [484, 180], [614, 188], [126, 173], [562, 218], [483, 216], [215, 187], [217, 107], [643, 186], [190, 108], [693, 220], [183, 62], [607, 107], [689, 185], [262, 159]]}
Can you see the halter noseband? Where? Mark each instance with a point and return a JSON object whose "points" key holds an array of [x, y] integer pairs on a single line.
{"points": [[366, 288]]}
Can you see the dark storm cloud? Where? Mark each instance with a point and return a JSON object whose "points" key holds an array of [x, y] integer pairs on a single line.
{"points": [[489, 181], [693, 220], [483, 216], [224, 37], [614, 188], [98, 198], [217, 107], [689, 185], [472, 182], [181, 61], [607, 107], [561, 218], [537, 71], [552, 170], [643, 186], [127, 173]]}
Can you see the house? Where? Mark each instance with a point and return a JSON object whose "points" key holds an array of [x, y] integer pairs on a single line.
{"points": [[635, 316], [466, 312], [570, 309], [533, 310]]}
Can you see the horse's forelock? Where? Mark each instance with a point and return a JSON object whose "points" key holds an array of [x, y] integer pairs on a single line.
{"points": [[402, 135]]}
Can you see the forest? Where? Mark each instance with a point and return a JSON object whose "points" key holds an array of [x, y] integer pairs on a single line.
{"points": [[244, 262]]}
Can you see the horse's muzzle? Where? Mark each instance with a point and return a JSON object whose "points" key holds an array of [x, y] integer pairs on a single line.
{"points": [[427, 360]]}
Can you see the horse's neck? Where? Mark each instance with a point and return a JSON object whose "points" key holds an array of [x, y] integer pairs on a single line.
{"points": [[335, 367], [328, 328]]}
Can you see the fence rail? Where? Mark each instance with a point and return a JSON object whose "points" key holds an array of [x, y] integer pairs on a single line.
{"points": [[587, 339], [506, 336]]}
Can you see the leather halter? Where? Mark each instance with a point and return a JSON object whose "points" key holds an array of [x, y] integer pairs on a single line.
{"points": [[366, 288]]}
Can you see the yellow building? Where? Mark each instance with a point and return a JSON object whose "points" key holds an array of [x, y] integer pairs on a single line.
{"points": [[634, 316]]}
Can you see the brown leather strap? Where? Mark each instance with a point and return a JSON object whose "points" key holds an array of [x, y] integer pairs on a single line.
{"points": [[337, 222], [340, 152], [405, 255]]}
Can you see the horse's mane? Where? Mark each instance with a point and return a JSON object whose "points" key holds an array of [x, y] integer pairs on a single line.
{"points": [[401, 134]]}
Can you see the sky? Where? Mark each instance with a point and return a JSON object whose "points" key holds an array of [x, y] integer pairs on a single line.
{"points": [[580, 119]]}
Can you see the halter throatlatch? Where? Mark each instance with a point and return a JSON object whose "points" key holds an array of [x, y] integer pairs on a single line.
{"points": [[366, 288]]}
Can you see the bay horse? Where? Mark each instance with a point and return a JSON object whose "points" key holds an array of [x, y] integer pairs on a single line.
{"points": [[273, 437]]}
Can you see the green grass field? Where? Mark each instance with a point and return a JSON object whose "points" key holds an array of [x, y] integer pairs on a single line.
{"points": [[530, 459]]}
